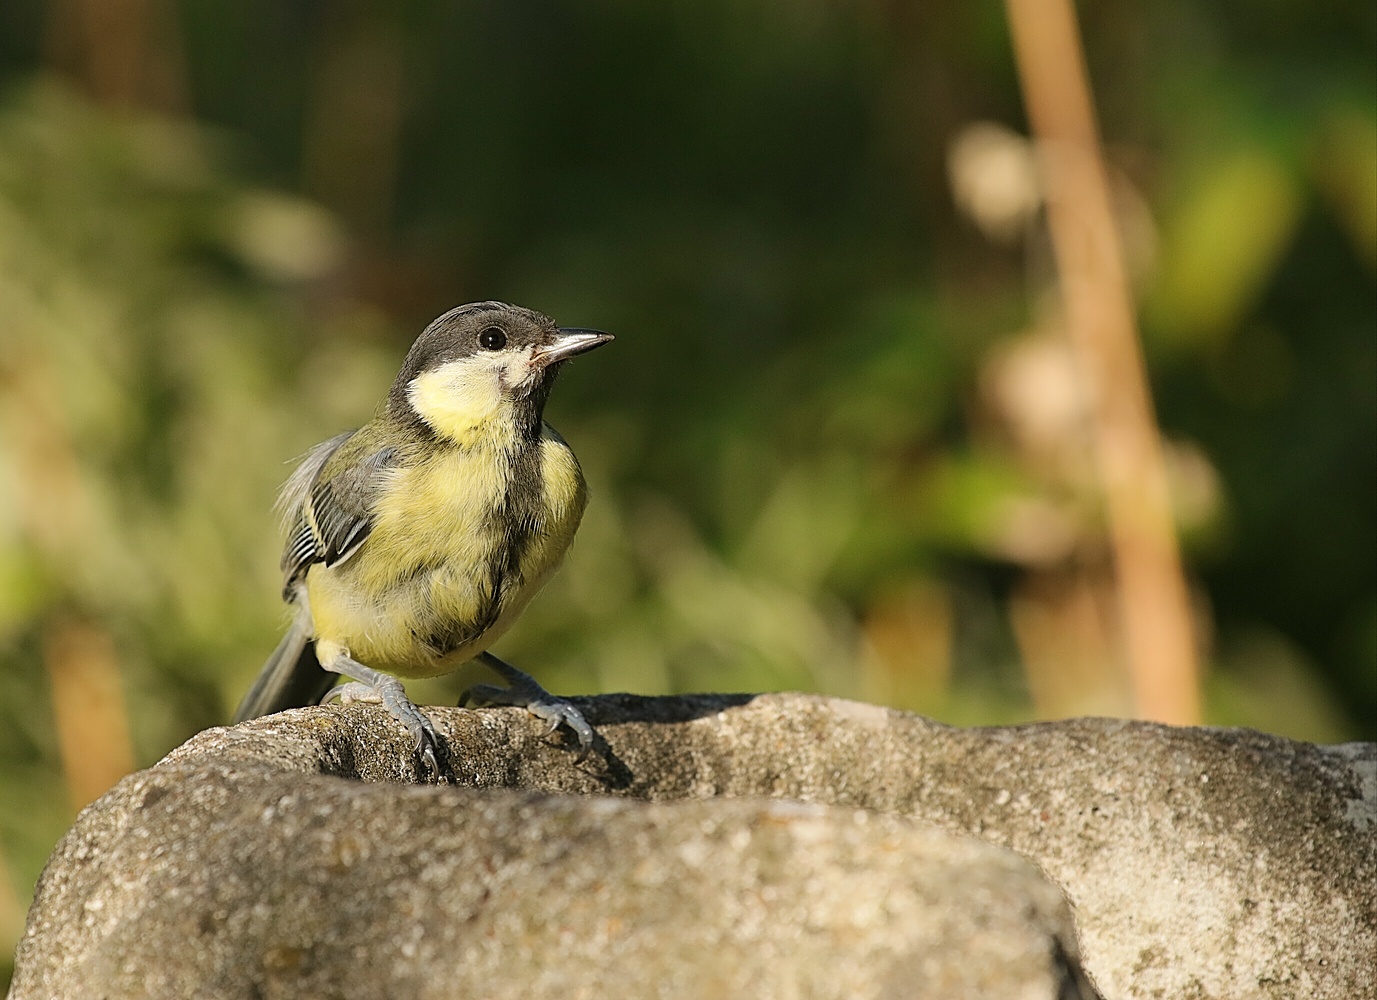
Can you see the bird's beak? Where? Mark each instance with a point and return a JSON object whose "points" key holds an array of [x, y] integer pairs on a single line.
{"points": [[571, 340]]}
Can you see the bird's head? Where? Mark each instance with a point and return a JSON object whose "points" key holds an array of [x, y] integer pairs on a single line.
{"points": [[485, 369]]}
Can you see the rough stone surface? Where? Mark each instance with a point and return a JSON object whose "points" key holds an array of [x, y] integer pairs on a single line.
{"points": [[1201, 863], [237, 880]]}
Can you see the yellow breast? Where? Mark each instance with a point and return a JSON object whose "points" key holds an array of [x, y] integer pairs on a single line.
{"points": [[444, 571]]}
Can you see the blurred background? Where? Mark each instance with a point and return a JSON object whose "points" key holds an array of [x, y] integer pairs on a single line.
{"points": [[843, 442]]}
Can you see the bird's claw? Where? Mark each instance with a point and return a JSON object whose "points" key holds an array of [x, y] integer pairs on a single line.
{"points": [[388, 692], [557, 712], [427, 746], [525, 693]]}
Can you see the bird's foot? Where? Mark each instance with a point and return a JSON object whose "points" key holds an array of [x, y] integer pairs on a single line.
{"points": [[382, 689], [524, 691], [347, 694]]}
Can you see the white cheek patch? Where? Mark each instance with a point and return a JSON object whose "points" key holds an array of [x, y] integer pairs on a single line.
{"points": [[521, 374], [458, 397]]}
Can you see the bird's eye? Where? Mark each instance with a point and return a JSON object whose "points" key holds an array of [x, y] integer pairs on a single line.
{"points": [[492, 339]]}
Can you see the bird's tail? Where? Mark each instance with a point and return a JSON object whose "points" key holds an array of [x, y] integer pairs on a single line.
{"points": [[292, 677]]}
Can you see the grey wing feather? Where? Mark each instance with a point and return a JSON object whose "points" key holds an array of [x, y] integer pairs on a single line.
{"points": [[332, 516], [302, 547], [298, 485]]}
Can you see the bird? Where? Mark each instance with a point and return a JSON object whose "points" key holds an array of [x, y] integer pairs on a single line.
{"points": [[415, 541]]}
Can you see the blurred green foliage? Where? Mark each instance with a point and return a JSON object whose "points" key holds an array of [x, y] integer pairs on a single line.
{"points": [[803, 473]]}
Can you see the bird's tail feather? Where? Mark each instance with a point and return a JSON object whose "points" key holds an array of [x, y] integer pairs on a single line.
{"points": [[292, 677]]}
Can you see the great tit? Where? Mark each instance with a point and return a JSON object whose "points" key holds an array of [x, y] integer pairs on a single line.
{"points": [[415, 541]]}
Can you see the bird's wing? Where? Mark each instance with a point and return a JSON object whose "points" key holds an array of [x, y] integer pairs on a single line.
{"points": [[330, 505]]}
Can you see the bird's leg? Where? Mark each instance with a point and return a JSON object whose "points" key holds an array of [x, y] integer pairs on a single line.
{"points": [[386, 690], [524, 691]]}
